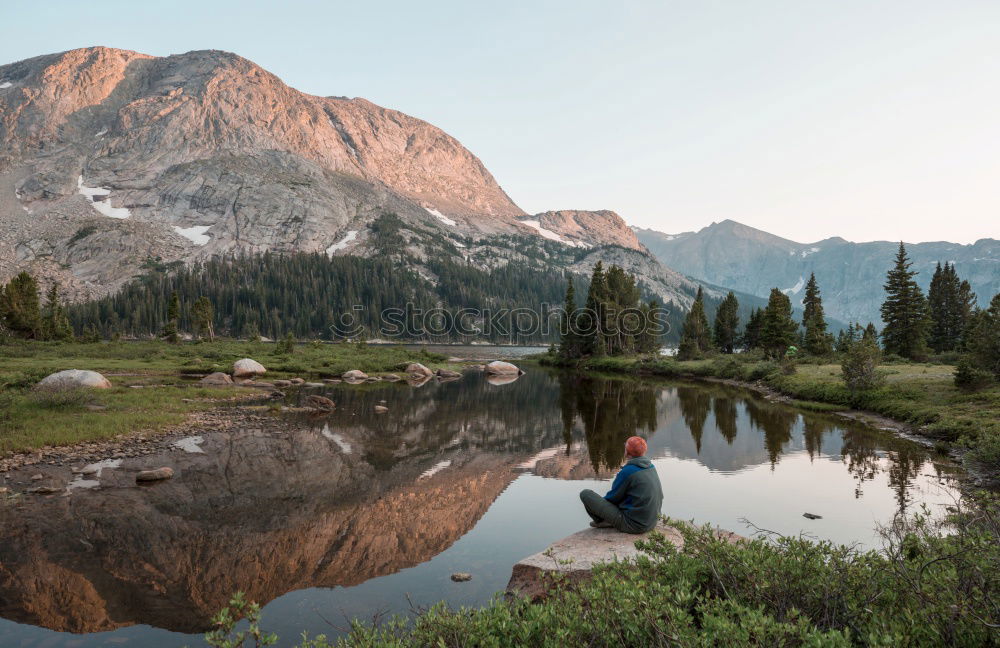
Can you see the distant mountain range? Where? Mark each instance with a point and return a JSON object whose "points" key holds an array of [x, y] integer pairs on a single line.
{"points": [[111, 160], [850, 275]]}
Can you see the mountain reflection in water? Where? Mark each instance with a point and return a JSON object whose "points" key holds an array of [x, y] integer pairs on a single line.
{"points": [[377, 505]]}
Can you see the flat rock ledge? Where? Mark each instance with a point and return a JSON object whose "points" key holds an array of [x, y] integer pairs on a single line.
{"points": [[575, 556]]}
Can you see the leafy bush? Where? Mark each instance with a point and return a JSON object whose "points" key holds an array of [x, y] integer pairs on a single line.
{"points": [[970, 377], [761, 370], [860, 366]]}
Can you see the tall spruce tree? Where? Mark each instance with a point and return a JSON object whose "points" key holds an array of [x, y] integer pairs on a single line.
{"points": [[55, 324], [170, 332], [751, 333], [817, 341], [778, 330], [727, 320], [19, 307], [696, 337], [984, 343], [951, 302], [569, 341], [595, 316], [905, 311], [203, 315]]}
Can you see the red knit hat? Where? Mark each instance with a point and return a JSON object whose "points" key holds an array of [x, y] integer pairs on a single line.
{"points": [[635, 446]]}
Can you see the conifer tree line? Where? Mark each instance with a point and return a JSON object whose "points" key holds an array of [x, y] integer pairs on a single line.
{"points": [[23, 315], [614, 319]]}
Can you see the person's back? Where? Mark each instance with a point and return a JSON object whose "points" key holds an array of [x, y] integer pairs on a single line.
{"points": [[633, 504]]}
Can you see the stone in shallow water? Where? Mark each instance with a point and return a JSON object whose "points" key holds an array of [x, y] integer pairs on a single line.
{"points": [[217, 378], [381, 409], [354, 375], [321, 403], [417, 369], [501, 368], [812, 516], [157, 474], [461, 577]]}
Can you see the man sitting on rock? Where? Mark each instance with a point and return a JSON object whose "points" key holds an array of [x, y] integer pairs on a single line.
{"points": [[633, 503]]}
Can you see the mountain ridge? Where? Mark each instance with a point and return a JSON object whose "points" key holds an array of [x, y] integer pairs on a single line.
{"points": [[849, 274], [113, 159]]}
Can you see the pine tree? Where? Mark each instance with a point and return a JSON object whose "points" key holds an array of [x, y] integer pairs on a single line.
{"points": [[55, 324], [19, 308], [569, 343], [816, 340], [696, 337], [170, 332], [905, 312], [984, 344], [751, 334], [951, 302], [871, 333], [778, 329], [727, 320], [203, 314], [648, 339], [595, 321]]}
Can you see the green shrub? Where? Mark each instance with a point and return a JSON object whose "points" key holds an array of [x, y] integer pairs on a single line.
{"points": [[860, 367], [970, 377]]}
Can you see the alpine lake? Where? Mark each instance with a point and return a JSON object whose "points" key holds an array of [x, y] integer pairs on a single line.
{"points": [[323, 518]]}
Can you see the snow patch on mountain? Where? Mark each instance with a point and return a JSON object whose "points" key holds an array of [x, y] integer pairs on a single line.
{"points": [[799, 285], [441, 217], [196, 234], [102, 206], [342, 243]]}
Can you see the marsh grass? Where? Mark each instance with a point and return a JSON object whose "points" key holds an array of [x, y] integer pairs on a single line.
{"points": [[165, 372]]}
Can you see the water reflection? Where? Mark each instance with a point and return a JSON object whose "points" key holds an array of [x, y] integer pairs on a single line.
{"points": [[282, 502]]}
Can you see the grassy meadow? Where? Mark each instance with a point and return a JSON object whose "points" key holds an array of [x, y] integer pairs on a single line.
{"points": [[167, 374]]}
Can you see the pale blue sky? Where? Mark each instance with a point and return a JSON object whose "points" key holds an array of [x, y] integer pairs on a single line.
{"points": [[868, 120]]}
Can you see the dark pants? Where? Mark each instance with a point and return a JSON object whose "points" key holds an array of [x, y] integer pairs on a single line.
{"points": [[601, 510]]}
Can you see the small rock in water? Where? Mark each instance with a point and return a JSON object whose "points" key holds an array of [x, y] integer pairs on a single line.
{"points": [[812, 516], [282, 383], [44, 490], [381, 409], [354, 375], [217, 378], [321, 403], [296, 381], [448, 373], [156, 474], [37, 477], [417, 369], [313, 385], [461, 577], [391, 378]]}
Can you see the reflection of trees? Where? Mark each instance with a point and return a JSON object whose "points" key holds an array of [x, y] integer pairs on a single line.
{"points": [[775, 421], [725, 417], [567, 408], [813, 431], [611, 411], [695, 403], [902, 460]]}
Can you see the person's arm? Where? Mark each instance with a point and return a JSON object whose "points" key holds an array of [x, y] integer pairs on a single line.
{"points": [[617, 493]]}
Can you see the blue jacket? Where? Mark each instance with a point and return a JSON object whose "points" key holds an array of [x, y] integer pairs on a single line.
{"points": [[637, 492]]}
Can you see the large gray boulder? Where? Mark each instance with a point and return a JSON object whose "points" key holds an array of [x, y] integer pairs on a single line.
{"points": [[354, 376], [74, 379], [575, 556], [417, 369], [501, 368], [248, 368]]}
